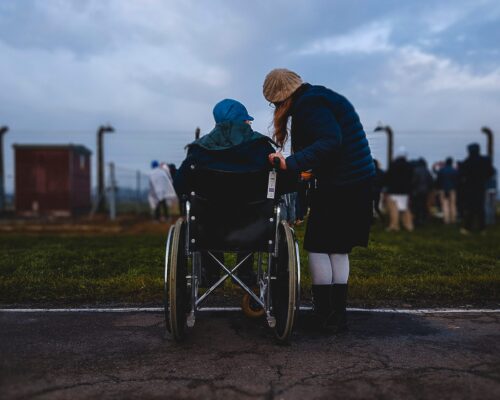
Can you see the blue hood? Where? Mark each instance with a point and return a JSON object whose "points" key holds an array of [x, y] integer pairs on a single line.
{"points": [[229, 134]]}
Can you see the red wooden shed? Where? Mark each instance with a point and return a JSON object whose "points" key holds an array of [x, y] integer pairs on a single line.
{"points": [[52, 179]]}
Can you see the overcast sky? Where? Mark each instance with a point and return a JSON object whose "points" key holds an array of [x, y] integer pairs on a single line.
{"points": [[154, 69]]}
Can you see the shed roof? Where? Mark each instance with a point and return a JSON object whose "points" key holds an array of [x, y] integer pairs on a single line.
{"points": [[78, 148]]}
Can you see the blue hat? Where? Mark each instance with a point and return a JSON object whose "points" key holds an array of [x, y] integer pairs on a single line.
{"points": [[230, 110], [154, 164]]}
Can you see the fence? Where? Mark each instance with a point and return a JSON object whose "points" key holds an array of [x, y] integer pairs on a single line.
{"points": [[127, 193], [127, 190], [132, 185]]}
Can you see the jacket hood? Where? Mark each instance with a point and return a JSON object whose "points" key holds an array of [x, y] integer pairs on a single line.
{"points": [[229, 134]]}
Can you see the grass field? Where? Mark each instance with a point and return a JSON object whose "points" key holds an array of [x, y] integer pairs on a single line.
{"points": [[434, 265]]}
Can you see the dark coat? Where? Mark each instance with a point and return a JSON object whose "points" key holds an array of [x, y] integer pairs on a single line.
{"points": [[422, 179], [250, 156], [474, 173], [231, 147], [447, 178], [328, 137], [399, 176]]}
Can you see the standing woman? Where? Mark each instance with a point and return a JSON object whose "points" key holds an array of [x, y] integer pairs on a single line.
{"points": [[326, 137]]}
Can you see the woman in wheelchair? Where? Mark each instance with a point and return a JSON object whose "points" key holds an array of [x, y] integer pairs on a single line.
{"points": [[231, 146], [232, 199]]}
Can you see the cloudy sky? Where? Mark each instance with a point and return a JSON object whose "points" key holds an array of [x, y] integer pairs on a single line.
{"points": [[154, 69]]}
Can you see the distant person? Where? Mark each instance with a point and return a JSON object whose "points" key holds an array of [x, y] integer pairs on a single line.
{"points": [[491, 199], [447, 183], [398, 182], [422, 183], [172, 196], [474, 173], [164, 167], [161, 190], [377, 186], [173, 169]]}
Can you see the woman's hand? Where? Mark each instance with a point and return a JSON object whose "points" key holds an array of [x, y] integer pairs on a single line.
{"points": [[272, 156]]}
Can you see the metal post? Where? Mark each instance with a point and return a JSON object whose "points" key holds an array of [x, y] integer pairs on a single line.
{"points": [[138, 190], [197, 133], [491, 193], [390, 144], [112, 192], [100, 167], [489, 135], [3, 131], [390, 141]]}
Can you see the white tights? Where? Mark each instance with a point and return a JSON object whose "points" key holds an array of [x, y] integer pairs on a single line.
{"points": [[327, 269]]}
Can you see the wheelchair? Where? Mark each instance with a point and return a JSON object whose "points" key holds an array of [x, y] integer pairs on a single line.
{"points": [[239, 213]]}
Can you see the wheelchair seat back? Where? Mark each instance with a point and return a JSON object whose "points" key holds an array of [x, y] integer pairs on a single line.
{"points": [[230, 211]]}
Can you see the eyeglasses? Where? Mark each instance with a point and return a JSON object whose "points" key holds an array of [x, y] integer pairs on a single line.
{"points": [[275, 105]]}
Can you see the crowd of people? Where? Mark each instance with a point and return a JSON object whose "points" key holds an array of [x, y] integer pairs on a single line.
{"points": [[408, 194], [411, 192]]}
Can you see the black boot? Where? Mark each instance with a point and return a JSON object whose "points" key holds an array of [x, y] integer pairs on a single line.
{"points": [[337, 321], [322, 307]]}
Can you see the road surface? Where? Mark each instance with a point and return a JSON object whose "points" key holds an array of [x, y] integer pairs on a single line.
{"points": [[126, 355]]}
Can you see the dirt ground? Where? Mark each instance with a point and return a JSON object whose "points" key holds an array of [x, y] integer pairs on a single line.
{"points": [[390, 356], [98, 224]]}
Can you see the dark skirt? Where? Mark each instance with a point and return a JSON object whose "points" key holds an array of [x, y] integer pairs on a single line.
{"points": [[340, 218]]}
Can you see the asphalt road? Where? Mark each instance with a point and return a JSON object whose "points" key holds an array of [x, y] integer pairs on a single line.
{"points": [[393, 356]]}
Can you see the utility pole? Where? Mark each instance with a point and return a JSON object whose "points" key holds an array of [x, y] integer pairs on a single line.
{"points": [[101, 197], [197, 133], [3, 131], [112, 192], [138, 190], [489, 135], [390, 141]]}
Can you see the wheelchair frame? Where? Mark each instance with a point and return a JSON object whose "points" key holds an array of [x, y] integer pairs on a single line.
{"points": [[182, 299]]}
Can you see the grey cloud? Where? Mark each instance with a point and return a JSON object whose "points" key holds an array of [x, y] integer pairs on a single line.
{"points": [[157, 67]]}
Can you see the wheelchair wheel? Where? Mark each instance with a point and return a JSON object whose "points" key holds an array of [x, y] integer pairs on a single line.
{"points": [[176, 301], [285, 288]]}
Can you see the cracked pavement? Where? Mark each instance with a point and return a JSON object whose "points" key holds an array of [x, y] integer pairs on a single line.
{"points": [[127, 356]]}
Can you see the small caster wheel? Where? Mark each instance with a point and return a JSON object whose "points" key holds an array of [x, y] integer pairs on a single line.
{"points": [[250, 307]]}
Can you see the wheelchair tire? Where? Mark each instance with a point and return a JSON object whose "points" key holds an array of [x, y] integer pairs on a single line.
{"points": [[175, 283], [285, 289]]}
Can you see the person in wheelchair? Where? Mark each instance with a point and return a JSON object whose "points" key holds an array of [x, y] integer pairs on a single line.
{"points": [[231, 146]]}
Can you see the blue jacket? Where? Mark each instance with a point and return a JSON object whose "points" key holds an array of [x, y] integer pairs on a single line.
{"points": [[327, 137], [447, 178], [231, 146]]}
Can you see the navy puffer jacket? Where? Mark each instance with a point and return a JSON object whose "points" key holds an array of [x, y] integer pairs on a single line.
{"points": [[328, 137]]}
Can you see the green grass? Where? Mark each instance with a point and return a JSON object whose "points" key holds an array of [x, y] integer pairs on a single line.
{"points": [[433, 265]]}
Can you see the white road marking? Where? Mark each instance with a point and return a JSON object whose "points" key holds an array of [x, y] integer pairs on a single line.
{"points": [[209, 309]]}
